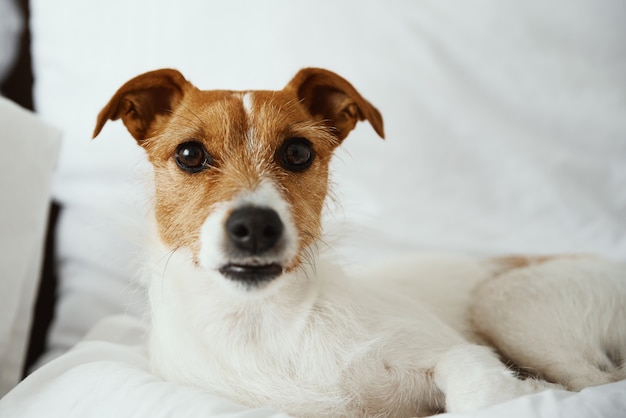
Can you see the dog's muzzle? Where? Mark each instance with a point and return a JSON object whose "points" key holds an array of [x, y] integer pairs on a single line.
{"points": [[254, 240]]}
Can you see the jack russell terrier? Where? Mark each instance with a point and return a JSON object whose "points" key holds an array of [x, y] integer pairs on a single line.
{"points": [[241, 305]]}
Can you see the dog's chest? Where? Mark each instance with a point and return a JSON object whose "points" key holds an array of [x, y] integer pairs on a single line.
{"points": [[309, 345], [306, 364], [257, 360]]}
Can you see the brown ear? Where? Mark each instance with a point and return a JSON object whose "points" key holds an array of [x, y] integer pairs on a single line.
{"points": [[334, 99], [142, 100]]}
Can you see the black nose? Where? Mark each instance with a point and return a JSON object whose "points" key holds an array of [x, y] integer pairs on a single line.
{"points": [[254, 230]]}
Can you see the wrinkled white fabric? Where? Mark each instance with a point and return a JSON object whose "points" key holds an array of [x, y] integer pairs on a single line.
{"points": [[504, 122], [108, 375]]}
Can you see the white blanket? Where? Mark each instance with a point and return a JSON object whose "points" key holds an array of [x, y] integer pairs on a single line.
{"points": [[107, 375], [505, 128]]}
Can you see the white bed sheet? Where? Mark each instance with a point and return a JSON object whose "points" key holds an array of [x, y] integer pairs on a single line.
{"points": [[107, 375], [505, 126]]}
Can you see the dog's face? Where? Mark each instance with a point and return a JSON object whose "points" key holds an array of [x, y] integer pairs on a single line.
{"points": [[241, 177]]}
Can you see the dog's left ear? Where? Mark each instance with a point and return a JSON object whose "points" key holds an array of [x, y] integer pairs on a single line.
{"points": [[335, 100]]}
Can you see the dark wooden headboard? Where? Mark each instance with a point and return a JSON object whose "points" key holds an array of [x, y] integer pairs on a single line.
{"points": [[19, 83]]}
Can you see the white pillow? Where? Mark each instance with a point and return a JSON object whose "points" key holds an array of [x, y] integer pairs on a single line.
{"points": [[505, 121], [30, 149]]}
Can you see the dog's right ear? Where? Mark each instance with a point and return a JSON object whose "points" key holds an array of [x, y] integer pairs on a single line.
{"points": [[335, 101], [142, 101]]}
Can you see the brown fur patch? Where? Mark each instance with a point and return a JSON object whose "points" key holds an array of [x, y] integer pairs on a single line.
{"points": [[242, 140], [508, 263], [243, 151]]}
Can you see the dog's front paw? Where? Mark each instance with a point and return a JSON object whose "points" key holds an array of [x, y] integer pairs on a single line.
{"points": [[494, 390], [472, 378]]}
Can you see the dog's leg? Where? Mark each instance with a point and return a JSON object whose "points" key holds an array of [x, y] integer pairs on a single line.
{"points": [[561, 319], [472, 377]]}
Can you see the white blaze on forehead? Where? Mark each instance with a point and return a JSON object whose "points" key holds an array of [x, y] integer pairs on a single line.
{"points": [[246, 100]]}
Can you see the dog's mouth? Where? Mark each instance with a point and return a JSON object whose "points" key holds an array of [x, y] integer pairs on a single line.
{"points": [[251, 274]]}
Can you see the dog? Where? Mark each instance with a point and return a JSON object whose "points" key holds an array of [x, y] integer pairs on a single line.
{"points": [[242, 305]]}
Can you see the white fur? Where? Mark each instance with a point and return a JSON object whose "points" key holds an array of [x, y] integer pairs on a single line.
{"points": [[392, 340], [409, 336], [246, 100]]}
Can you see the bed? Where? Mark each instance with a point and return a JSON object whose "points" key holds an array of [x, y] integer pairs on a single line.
{"points": [[506, 133]]}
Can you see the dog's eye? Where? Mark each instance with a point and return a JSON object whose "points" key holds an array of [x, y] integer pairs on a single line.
{"points": [[192, 157], [296, 154]]}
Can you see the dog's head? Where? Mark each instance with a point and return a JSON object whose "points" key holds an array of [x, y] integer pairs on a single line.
{"points": [[240, 177]]}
